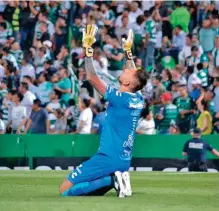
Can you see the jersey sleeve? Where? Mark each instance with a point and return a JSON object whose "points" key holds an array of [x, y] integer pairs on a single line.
{"points": [[209, 147], [185, 148], [114, 96], [95, 124]]}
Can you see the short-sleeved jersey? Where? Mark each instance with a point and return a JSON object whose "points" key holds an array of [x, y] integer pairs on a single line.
{"points": [[120, 123], [196, 150]]}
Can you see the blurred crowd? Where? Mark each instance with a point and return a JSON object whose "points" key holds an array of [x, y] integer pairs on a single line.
{"points": [[43, 83]]}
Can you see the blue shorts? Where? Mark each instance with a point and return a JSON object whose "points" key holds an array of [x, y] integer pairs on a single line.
{"points": [[98, 166]]}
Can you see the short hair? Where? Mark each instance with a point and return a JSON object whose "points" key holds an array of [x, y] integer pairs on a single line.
{"points": [[45, 75], [189, 36], [4, 25], [19, 95], [147, 13], [12, 92], [37, 102], [6, 49], [142, 77], [177, 3], [217, 79], [49, 62], [24, 85], [145, 112], [158, 77], [140, 19], [57, 93], [28, 78], [199, 66], [86, 102], [179, 27], [71, 102], [45, 13], [190, 69], [43, 49], [194, 48]]}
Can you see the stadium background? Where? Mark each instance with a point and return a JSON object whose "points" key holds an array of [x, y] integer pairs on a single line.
{"points": [[41, 57]]}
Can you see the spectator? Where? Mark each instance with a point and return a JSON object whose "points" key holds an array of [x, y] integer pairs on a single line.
{"points": [[206, 36], [124, 29], [17, 52], [204, 121], [191, 77], [178, 42], [72, 115], [194, 59], [167, 114], [84, 83], [18, 114], [61, 33], [115, 59], [180, 16], [38, 122], [150, 39], [216, 97], [27, 68], [146, 123], [125, 13], [135, 12], [64, 85], [6, 107], [45, 88], [44, 32], [43, 17], [85, 118], [107, 16], [196, 89], [3, 89], [77, 29], [9, 57], [31, 87], [100, 61], [158, 90], [28, 98], [202, 75], [215, 52], [4, 33], [184, 104], [51, 107], [2, 126], [98, 121], [174, 129], [60, 124]]}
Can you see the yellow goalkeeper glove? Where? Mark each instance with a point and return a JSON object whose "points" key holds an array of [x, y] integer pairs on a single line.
{"points": [[127, 44], [89, 39]]}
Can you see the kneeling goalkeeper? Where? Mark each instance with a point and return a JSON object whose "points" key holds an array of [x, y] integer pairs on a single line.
{"points": [[96, 176]]}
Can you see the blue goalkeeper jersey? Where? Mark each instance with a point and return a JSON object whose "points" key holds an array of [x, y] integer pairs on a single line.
{"points": [[121, 119]]}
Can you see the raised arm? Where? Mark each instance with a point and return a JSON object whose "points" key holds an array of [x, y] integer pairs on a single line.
{"points": [[127, 47], [88, 40]]}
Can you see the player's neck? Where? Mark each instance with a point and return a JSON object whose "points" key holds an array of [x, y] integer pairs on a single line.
{"points": [[125, 89]]}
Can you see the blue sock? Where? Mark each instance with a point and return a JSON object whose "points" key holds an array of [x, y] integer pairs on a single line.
{"points": [[85, 188]]}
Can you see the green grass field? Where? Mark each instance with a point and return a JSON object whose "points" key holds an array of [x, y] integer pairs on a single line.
{"points": [[38, 190]]}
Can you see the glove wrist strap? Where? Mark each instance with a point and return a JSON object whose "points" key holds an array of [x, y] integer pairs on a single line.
{"points": [[128, 55], [89, 52]]}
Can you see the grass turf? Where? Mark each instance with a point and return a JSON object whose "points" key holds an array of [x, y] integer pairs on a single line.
{"points": [[155, 191]]}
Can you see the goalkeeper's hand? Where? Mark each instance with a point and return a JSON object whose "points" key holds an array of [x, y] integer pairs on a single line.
{"points": [[89, 39], [127, 44]]}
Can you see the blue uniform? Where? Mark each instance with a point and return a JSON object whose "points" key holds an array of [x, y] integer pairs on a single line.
{"points": [[98, 122], [117, 138], [196, 149]]}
